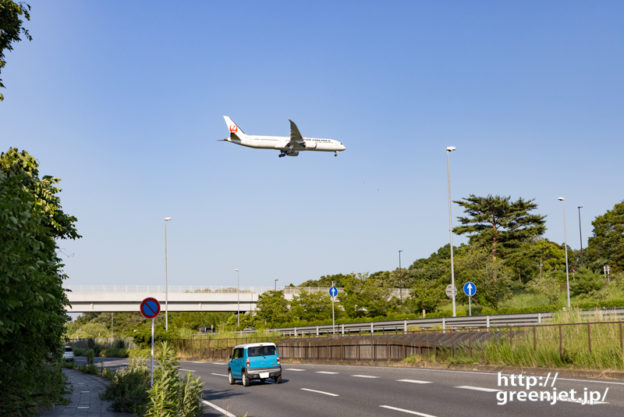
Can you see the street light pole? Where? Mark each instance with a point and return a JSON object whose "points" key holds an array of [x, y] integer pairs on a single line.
{"points": [[450, 149], [565, 243], [237, 296], [276, 279], [166, 219], [400, 277], [580, 233]]}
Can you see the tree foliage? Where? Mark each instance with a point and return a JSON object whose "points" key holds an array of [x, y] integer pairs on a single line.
{"points": [[498, 222], [272, 308], [32, 312], [11, 29], [606, 246]]}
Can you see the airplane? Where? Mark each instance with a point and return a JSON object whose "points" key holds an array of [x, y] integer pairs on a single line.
{"points": [[290, 146]]}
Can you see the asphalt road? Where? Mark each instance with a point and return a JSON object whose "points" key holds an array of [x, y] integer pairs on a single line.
{"points": [[334, 390]]}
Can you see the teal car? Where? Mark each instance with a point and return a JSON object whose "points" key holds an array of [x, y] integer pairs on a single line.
{"points": [[254, 361]]}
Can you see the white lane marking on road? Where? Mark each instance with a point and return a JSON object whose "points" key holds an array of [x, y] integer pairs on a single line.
{"points": [[197, 362], [365, 376], [218, 363], [327, 372], [212, 373], [295, 369], [414, 381], [591, 381], [478, 388], [83, 406], [187, 370], [219, 409], [403, 410], [320, 392]]}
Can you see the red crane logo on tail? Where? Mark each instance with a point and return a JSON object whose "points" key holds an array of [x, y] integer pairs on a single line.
{"points": [[233, 129]]}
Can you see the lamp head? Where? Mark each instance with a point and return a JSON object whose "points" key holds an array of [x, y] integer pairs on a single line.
{"points": [[560, 198], [450, 148], [167, 219]]}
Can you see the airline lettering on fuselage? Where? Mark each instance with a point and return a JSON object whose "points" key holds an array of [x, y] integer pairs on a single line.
{"points": [[287, 145]]}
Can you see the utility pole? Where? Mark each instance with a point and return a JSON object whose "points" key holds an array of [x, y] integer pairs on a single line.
{"points": [[400, 278]]}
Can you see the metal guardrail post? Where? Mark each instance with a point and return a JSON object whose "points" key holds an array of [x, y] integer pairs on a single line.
{"points": [[589, 336], [443, 325], [372, 324], [405, 327], [295, 332], [342, 329], [487, 322], [317, 331], [539, 318]]}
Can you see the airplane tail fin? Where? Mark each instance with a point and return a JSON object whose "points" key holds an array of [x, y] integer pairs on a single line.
{"points": [[235, 131]]}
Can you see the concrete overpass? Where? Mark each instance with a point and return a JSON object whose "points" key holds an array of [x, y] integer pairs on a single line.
{"points": [[91, 299], [128, 298]]}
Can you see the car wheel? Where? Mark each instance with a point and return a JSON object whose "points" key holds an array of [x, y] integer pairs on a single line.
{"points": [[245, 378], [230, 377], [278, 379]]}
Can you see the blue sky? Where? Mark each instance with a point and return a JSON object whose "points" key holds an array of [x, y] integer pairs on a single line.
{"points": [[124, 102]]}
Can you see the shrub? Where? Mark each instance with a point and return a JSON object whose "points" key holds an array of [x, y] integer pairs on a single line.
{"points": [[170, 397], [129, 387]]}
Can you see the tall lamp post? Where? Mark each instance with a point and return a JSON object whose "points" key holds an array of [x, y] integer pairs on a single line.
{"points": [[580, 233], [237, 296], [166, 219], [400, 277], [450, 149], [565, 244]]}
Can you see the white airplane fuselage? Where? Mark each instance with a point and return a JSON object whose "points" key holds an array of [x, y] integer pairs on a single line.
{"points": [[290, 146], [280, 142]]}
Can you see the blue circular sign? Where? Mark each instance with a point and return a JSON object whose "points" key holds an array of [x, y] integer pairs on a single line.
{"points": [[470, 289], [333, 291], [150, 307]]}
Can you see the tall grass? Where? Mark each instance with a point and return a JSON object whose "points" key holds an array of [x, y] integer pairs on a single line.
{"points": [[570, 341]]}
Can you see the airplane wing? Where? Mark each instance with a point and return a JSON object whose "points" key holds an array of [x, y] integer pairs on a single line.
{"points": [[296, 140]]}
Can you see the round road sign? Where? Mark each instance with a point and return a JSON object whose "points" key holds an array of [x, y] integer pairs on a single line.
{"points": [[333, 291], [150, 307], [451, 291]]}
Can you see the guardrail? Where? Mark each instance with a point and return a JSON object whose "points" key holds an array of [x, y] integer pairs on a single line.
{"points": [[499, 320]]}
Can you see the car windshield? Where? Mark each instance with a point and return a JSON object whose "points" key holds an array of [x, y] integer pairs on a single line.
{"points": [[261, 351]]}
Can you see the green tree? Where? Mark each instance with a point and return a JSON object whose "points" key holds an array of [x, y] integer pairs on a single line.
{"points": [[606, 246], [11, 29], [586, 282], [499, 223], [311, 306], [535, 258], [32, 312], [474, 263], [548, 283], [364, 297], [426, 295], [273, 308]]}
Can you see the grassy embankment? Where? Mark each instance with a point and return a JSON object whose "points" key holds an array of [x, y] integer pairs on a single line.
{"points": [[600, 349]]}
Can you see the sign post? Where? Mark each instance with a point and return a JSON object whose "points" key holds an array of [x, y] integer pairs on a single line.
{"points": [[470, 289], [150, 307], [333, 292]]}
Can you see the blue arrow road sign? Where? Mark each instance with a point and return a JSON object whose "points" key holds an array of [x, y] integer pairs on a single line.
{"points": [[333, 291], [470, 289]]}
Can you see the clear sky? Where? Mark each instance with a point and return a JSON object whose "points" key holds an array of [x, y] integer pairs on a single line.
{"points": [[124, 102]]}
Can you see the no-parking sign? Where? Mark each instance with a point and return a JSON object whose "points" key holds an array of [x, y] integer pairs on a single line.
{"points": [[150, 307]]}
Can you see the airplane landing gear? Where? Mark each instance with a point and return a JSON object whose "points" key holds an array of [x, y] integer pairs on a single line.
{"points": [[282, 154], [336, 153]]}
